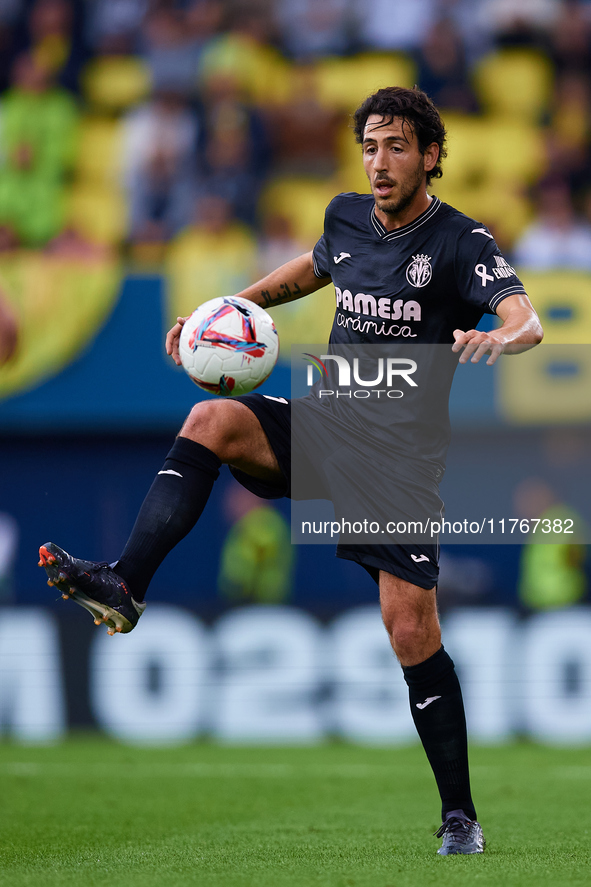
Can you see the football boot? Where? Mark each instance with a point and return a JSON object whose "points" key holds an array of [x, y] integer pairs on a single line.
{"points": [[96, 587], [460, 835]]}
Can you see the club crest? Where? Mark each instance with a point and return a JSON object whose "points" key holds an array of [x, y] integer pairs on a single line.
{"points": [[419, 271]]}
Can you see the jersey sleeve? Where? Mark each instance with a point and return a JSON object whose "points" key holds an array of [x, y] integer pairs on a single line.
{"points": [[320, 258], [483, 275]]}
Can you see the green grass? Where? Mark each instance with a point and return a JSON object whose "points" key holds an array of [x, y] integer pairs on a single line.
{"points": [[90, 812]]}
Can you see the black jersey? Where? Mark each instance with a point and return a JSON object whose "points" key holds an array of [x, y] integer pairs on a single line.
{"points": [[403, 288], [419, 283]]}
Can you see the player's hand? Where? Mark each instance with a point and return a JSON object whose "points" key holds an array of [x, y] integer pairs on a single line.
{"points": [[476, 344], [172, 340]]}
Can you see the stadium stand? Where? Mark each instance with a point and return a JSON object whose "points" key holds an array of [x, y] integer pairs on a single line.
{"points": [[269, 87], [187, 47]]}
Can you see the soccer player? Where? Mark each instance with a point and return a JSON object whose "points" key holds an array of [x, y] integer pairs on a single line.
{"points": [[406, 268]]}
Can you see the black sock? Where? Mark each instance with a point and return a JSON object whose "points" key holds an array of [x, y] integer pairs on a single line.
{"points": [[438, 712], [170, 510]]}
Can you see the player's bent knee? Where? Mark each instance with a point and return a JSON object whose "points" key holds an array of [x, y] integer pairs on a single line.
{"points": [[203, 416], [211, 423], [223, 426]]}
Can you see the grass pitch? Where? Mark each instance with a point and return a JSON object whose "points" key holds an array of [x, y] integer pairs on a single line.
{"points": [[93, 813]]}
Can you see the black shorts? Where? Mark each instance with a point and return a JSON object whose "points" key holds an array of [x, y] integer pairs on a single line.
{"points": [[415, 563]]}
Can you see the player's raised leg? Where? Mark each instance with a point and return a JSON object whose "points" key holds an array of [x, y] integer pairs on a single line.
{"points": [[410, 616], [215, 432]]}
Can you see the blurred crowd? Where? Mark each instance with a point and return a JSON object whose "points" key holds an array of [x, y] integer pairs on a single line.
{"points": [[212, 133]]}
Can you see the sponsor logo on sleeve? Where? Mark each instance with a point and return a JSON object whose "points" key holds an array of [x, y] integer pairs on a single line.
{"points": [[501, 271], [503, 268]]}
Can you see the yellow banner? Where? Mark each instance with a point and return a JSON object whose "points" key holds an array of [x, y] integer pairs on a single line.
{"points": [[62, 303]]}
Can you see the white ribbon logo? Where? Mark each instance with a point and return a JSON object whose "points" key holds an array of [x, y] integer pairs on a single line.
{"points": [[482, 273]]}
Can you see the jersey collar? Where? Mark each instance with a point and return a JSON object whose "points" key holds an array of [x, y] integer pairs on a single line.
{"points": [[406, 229]]}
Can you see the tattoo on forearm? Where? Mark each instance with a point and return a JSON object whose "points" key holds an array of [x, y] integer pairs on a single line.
{"points": [[284, 296]]}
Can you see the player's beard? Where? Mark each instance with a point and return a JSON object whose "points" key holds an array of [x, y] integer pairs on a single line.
{"points": [[393, 206]]}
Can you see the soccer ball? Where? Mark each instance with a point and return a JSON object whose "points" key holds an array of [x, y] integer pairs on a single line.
{"points": [[229, 346]]}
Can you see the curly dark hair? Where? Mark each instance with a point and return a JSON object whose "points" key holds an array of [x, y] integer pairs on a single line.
{"points": [[415, 109]]}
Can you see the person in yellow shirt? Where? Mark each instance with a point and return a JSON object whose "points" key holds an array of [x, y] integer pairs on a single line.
{"points": [[213, 257], [551, 573], [257, 558]]}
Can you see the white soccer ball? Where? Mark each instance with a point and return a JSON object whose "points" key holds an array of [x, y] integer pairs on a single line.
{"points": [[229, 346]]}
